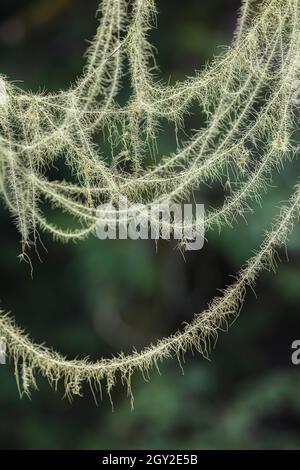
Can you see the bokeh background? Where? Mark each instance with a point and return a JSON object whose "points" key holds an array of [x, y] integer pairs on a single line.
{"points": [[98, 298]]}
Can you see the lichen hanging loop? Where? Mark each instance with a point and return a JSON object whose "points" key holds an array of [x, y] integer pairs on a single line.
{"points": [[246, 94]]}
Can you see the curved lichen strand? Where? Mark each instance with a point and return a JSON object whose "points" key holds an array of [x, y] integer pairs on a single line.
{"points": [[200, 334], [247, 97]]}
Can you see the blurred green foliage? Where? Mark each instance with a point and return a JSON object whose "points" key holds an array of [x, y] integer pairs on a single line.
{"points": [[99, 298]]}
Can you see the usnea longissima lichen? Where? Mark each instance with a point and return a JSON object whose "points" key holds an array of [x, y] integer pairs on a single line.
{"points": [[246, 97]]}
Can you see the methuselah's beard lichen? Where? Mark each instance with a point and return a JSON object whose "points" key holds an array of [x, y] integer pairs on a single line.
{"points": [[247, 95]]}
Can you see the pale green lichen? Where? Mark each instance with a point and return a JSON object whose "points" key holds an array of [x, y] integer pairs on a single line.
{"points": [[246, 96]]}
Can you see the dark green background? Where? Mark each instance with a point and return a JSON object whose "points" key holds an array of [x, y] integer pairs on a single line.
{"points": [[98, 298]]}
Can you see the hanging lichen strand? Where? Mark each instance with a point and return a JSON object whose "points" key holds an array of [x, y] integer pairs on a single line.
{"points": [[246, 97]]}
